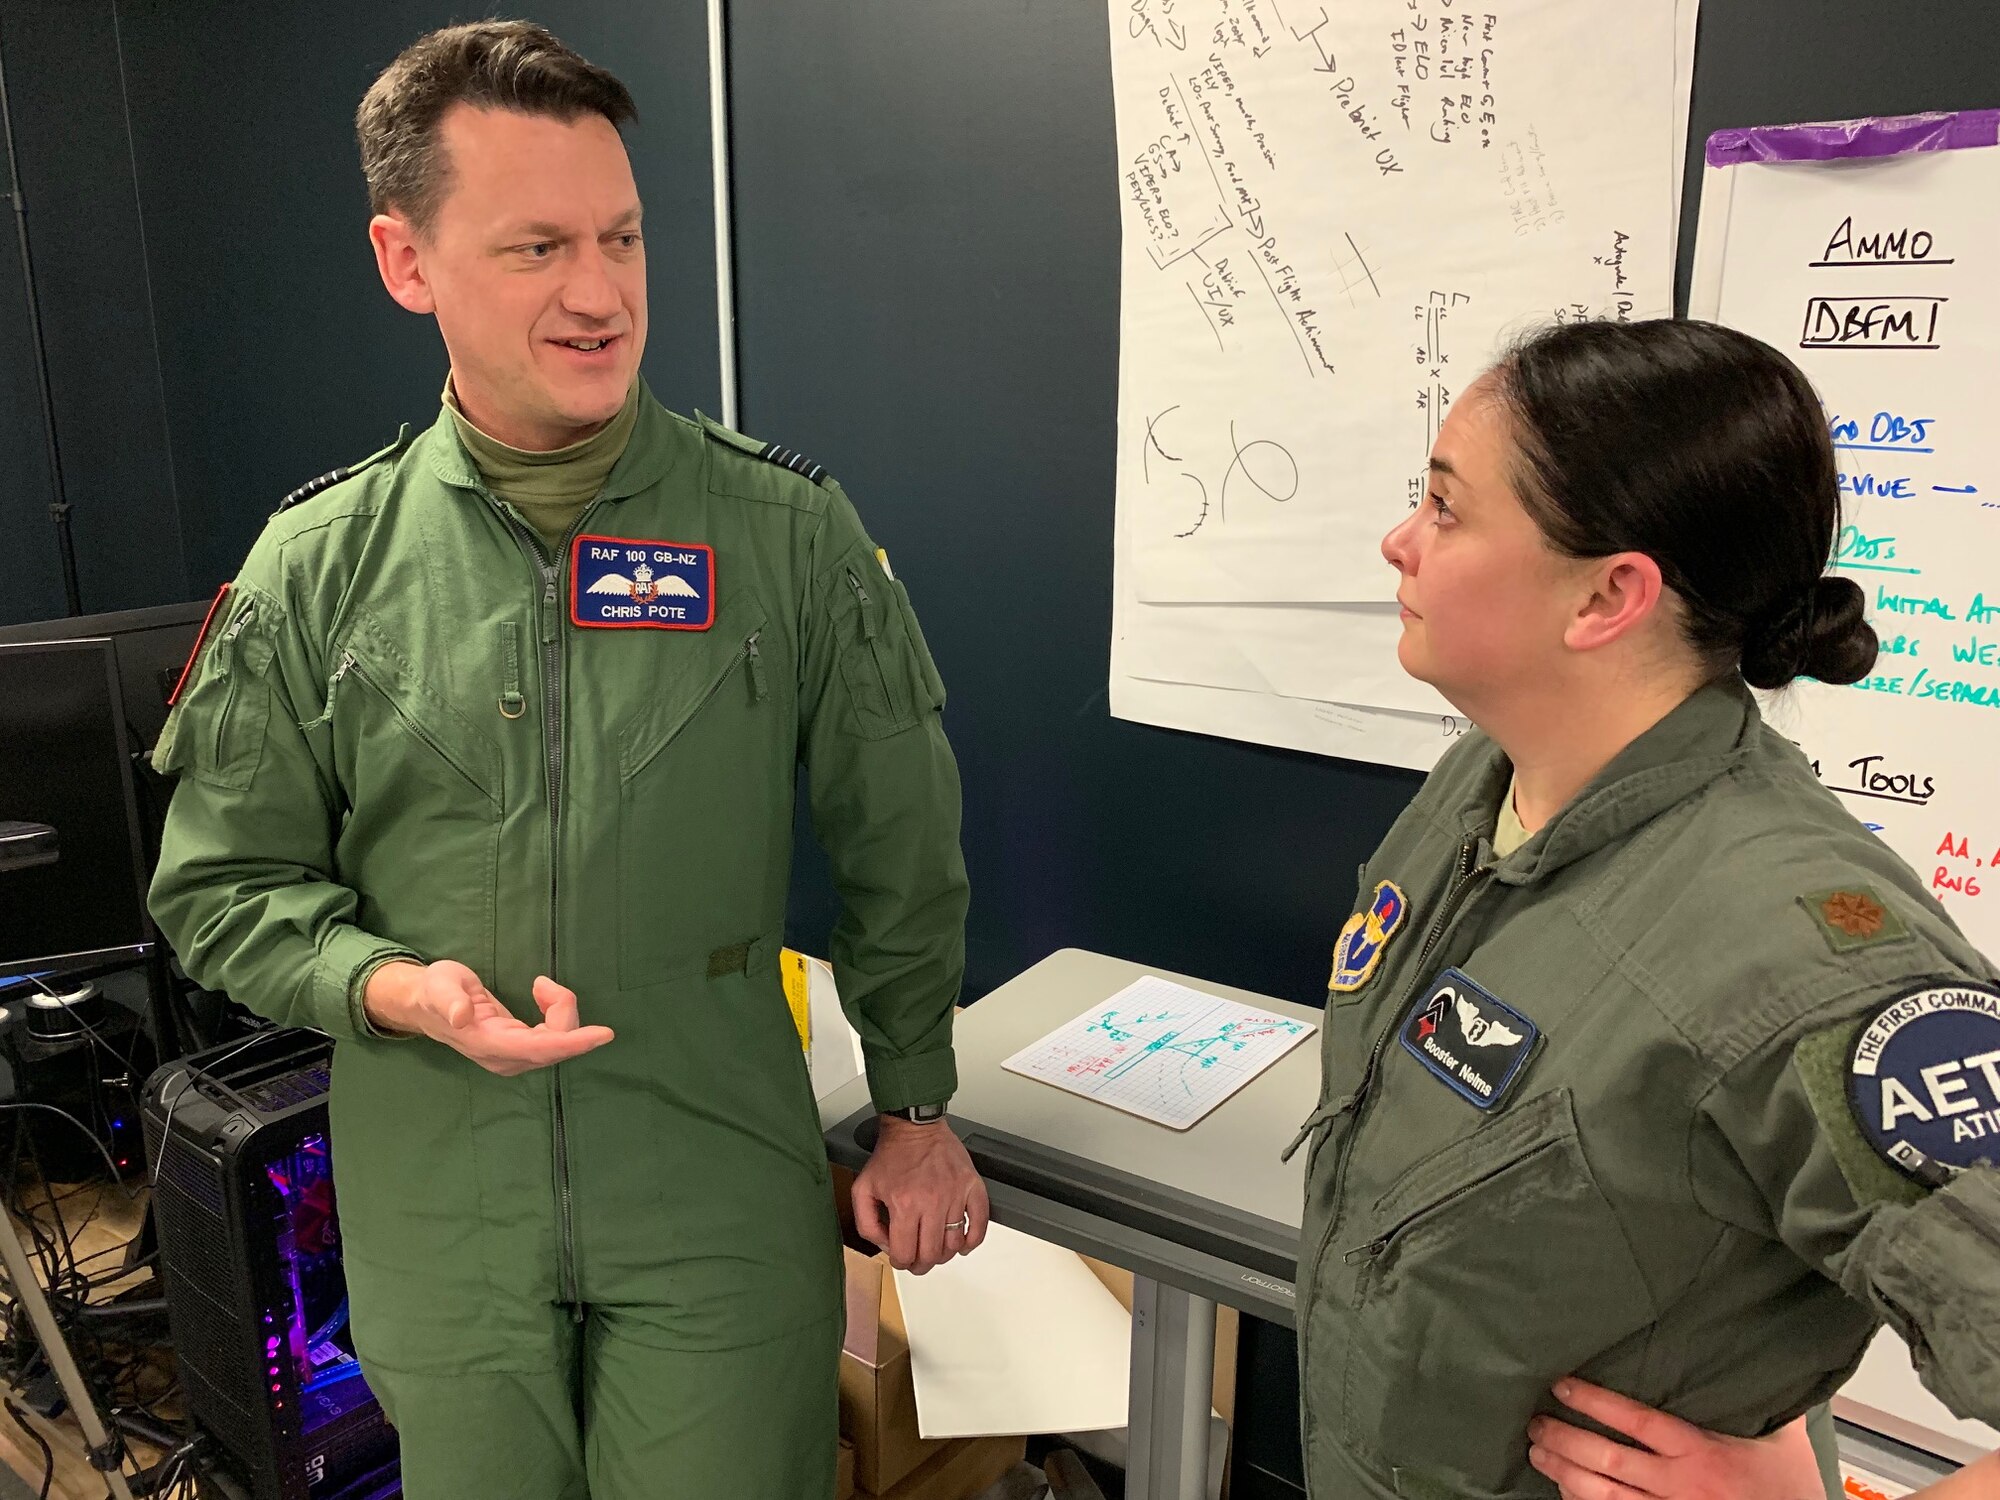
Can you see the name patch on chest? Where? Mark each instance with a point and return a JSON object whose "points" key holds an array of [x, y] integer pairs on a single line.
{"points": [[631, 583], [1474, 1042]]}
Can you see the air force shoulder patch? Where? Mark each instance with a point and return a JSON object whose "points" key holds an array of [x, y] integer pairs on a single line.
{"points": [[1470, 1039], [1364, 937]]}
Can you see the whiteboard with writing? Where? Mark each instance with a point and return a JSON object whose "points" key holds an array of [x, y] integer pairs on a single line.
{"points": [[1869, 252], [1880, 276]]}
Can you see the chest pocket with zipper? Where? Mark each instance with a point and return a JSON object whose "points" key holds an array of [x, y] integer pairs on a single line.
{"points": [[1490, 1268], [422, 793], [705, 772]]}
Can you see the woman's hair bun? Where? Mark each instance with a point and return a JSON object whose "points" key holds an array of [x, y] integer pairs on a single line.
{"points": [[1825, 635]]}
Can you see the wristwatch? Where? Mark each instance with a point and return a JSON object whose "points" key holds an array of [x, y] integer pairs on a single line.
{"points": [[922, 1114]]}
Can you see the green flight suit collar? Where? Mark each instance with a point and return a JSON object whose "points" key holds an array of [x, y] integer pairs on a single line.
{"points": [[654, 451], [1708, 734]]}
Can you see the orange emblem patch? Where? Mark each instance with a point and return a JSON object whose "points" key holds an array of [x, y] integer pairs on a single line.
{"points": [[1853, 913]]}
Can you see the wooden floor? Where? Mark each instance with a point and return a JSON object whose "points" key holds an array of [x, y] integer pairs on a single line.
{"points": [[113, 1218]]}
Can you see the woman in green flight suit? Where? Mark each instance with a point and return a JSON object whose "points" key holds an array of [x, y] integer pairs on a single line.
{"points": [[1594, 1105]]}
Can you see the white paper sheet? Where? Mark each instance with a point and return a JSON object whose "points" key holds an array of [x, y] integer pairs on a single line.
{"points": [[1161, 1051], [1258, 668], [1333, 217], [1018, 1337], [1352, 732], [835, 1059], [1328, 653]]}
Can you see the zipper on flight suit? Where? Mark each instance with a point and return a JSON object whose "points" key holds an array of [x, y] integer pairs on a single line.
{"points": [[548, 570], [1464, 879], [1376, 1248], [868, 634]]}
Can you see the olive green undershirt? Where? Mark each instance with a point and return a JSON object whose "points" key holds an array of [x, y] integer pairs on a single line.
{"points": [[551, 489]]}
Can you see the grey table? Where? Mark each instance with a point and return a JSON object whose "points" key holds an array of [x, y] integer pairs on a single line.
{"points": [[1202, 1216]]}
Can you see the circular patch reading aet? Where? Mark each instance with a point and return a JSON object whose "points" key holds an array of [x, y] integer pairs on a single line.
{"points": [[1923, 1080]]}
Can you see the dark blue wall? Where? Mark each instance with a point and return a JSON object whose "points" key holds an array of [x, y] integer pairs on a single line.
{"points": [[927, 261]]}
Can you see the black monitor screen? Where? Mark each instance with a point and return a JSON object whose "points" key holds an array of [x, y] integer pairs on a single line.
{"points": [[152, 646], [64, 761]]}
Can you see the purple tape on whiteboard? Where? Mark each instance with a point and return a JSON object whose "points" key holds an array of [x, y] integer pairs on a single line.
{"points": [[1845, 140]]}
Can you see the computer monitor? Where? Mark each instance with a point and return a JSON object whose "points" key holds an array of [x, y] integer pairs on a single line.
{"points": [[152, 645], [66, 760]]}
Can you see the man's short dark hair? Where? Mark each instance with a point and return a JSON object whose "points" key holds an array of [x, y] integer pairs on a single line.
{"points": [[513, 65]]}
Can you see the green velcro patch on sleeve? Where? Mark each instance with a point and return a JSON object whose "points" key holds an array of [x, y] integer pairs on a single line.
{"points": [[1853, 917], [1821, 1063], [735, 959]]}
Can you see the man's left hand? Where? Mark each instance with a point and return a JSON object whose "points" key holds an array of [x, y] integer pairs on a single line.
{"points": [[919, 1197]]}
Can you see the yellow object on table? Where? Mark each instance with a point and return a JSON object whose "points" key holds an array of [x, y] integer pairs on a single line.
{"points": [[798, 989]]}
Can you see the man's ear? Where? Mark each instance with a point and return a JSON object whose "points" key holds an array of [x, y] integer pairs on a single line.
{"points": [[1625, 591], [399, 257]]}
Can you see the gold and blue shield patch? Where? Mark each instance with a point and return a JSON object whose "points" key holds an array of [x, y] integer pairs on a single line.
{"points": [[1364, 937]]}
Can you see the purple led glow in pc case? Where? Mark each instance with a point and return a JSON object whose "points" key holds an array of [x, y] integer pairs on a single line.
{"points": [[250, 1253]]}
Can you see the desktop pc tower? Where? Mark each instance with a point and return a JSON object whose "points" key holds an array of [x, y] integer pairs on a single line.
{"points": [[250, 1255]]}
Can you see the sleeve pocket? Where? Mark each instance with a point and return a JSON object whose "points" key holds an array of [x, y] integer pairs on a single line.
{"points": [[882, 662], [218, 729]]}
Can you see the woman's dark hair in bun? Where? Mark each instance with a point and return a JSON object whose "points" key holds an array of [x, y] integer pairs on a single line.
{"points": [[1708, 451]]}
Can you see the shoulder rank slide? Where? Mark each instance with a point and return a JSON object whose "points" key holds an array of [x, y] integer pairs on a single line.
{"points": [[798, 463], [332, 477], [772, 453]]}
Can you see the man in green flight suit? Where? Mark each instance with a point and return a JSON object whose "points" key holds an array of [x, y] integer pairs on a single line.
{"points": [[487, 767]]}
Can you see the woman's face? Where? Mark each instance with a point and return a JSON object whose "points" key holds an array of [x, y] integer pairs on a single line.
{"points": [[1485, 598]]}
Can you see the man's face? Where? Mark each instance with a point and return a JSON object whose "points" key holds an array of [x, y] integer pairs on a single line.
{"points": [[535, 270]]}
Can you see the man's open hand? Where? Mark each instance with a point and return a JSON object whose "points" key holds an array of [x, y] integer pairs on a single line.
{"points": [[446, 1002]]}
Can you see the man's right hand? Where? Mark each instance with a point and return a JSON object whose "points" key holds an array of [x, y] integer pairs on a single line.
{"points": [[446, 1002]]}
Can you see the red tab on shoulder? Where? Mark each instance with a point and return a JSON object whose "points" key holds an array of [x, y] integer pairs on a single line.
{"points": [[200, 640]]}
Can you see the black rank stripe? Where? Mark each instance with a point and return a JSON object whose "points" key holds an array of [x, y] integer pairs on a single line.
{"points": [[312, 487], [798, 463]]}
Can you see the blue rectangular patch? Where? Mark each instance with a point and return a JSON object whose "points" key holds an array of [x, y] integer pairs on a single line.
{"points": [[630, 583], [1469, 1038]]}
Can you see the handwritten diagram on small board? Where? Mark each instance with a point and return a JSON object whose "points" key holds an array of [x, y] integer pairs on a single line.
{"points": [[1161, 1051]]}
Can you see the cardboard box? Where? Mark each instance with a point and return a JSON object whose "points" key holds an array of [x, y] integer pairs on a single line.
{"points": [[960, 1469], [843, 1474], [878, 1399]]}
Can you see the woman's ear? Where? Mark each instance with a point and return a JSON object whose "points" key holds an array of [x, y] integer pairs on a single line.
{"points": [[1623, 592]]}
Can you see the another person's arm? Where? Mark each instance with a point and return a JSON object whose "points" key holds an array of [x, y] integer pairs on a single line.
{"points": [[885, 807], [246, 891]]}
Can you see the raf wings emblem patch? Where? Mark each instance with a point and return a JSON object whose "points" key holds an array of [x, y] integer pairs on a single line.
{"points": [[622, 582]]}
